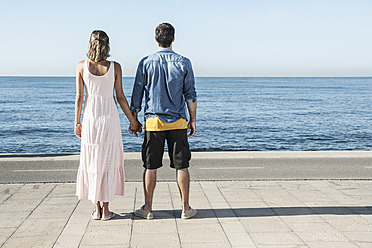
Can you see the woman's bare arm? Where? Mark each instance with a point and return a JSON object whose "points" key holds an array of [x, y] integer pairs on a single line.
{"points": [[79, 97], [135, 126]]}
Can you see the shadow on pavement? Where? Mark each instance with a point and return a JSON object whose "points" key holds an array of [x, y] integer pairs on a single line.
{"points": [[259, 212]]}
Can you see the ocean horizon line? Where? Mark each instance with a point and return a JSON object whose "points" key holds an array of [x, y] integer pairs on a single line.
{"points": [[73, 76]]}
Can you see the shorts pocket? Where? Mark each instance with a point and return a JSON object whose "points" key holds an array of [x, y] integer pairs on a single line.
{"points": [[187, 152], [145, 148]]}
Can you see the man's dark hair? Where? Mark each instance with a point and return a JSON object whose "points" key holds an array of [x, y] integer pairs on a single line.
{"points": [[164, 34]]}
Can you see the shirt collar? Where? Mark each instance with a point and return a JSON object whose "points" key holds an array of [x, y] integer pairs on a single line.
{"points": [[165, 50]]}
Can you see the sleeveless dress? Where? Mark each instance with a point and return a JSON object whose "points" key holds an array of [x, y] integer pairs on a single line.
{"points": [[101, 171]]}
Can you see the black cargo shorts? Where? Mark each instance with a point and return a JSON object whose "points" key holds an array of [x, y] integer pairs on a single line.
{"points": [[178, 149]]}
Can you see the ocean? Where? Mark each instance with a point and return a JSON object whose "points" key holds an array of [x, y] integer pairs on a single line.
{"points": [[234, 114]]}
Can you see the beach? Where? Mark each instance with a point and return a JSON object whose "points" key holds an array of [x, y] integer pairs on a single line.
{"points": [[238, 206]]}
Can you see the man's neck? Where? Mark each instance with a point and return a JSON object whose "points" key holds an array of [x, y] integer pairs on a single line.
{"points": [[170, 47]]}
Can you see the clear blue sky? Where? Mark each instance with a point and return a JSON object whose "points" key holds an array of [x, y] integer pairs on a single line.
{"points": [[221, 37]]}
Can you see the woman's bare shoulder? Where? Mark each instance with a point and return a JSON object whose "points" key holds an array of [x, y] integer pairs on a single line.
{"points": [[117, 66], [80, 66], [81, 63]]}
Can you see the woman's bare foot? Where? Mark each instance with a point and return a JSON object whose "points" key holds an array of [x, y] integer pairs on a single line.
{"points": [[97, 212], [106, 214]]}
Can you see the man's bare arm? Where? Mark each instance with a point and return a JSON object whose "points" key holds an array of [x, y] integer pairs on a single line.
{"points": [[192, 123]]}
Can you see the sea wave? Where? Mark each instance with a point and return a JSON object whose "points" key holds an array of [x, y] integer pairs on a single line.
{"points": [[234, 114]]}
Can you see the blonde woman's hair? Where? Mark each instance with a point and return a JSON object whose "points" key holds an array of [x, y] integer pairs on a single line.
{"points": [[99, 46]]}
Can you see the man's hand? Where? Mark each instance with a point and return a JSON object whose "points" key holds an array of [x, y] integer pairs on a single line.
{"points": [[192, 128], [135, 127], [192, 123]]}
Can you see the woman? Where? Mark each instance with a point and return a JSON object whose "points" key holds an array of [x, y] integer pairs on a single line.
{"points": [[101, 171]]}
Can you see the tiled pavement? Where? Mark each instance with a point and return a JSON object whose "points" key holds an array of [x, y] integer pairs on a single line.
{"points": [[231, 214]]}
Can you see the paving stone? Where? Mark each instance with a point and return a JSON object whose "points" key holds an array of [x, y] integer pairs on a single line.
{"points": [[5, 233], [332, 245], [361, 200], [231, 185], [364, 244], [262, 184], [356, 191], [29, 242], [283, 202], [7, 190], [155, 240], [240, 239], [276, 238], [302, 218], [366, 217], [51, 211], [10, 221], [191, 233], [282, 246], [106, 235], [266, 224], [240, 195], [26, 205], [250, 204], [75, 228], [155, 226], [61, 201], [323, 233], [106, 246], [362, 237], [233, 227], [28, 191], [207, 245], [41, 227], [68, 241], [297, 186], [270, 193], [33, 195], [310, 196], [350, 223]]}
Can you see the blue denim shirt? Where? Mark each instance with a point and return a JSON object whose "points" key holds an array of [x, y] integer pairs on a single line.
{"points": [[167, 79]]}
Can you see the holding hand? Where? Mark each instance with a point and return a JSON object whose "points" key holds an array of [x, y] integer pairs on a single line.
{"points": [[135, 127]]}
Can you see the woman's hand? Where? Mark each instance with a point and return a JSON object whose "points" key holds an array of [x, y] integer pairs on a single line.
{"points": [[135, 127], [78, 131]]}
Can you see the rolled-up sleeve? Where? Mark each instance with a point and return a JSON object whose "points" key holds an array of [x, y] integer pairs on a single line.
{"points": [[138, 89], [189, 91]]}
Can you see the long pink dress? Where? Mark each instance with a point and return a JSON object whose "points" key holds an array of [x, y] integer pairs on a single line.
{"points": [[101, 171]]}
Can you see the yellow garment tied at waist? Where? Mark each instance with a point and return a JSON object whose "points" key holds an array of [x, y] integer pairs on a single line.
{"points": [[155, 124]]}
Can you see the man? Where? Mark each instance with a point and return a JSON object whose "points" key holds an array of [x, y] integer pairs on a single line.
{"points": [[167, 79]]}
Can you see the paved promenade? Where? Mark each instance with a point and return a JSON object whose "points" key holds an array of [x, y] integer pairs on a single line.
{"points": [[315, 213], [244, 199]]}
